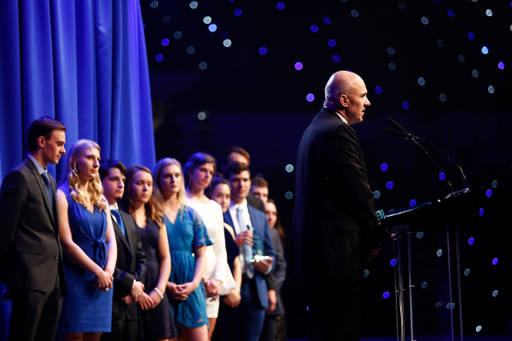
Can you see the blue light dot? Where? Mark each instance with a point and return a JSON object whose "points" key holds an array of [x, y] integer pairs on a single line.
{"points": [[386, 295], [314, 28], [440, 43], [490, 89], [212, 27], [289, 168], [203, 65], [280, 5], [191, 50], [419, 235], [336, 58], [481, 212], [354, 13], [478, 329], [166, 19], [298, 66], [495, 261], [485, 50], [165, 42], [442, 176], [462, 58], [288, 195], [393, 262], [332, 42], [327, 20], [391, 51], [378, 90], [439, 253], [450, 13], [389, 185], [405, 105], [495, 293], [159, 57], [421, 81], [392, 66], [263, 51], [475, 73], [193, 4], [310, 97], [238, 12], [471, 241], [494, 184], [501, 65], [366, 273], [424, 285], [376, 194], [401, 6], [467, 272], [224, 35], [442, 97], [177, 34], [488, 193], [384, 167], [471, 35], [412, 203], [154, 4], [424, 21]]}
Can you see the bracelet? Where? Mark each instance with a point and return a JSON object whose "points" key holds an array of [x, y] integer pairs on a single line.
{"points": [[159, 292]]}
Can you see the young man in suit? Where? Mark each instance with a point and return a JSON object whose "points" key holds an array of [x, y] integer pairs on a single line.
{"points": [[253, 235], [131, 261], [333, 230], [30, 251]]}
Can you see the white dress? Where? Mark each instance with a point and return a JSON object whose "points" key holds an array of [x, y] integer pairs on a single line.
{"points": [[216, 257]]}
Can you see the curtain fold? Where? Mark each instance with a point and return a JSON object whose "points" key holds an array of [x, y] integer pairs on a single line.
{"points": [[83, 62]]}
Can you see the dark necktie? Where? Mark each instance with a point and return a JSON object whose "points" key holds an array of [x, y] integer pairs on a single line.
{"points": [[49, 188], [119, 221]]}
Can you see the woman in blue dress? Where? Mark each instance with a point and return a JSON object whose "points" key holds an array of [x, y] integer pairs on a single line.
{"points": [[89, 246], [155, 312], [187, 242]]}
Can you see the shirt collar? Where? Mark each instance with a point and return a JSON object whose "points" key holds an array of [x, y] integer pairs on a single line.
{"points": [[339, 115], [40, 168], [242, 205], [114, 207]]}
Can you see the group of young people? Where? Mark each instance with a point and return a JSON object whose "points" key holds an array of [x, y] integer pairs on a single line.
{"points": [[170, 253]]}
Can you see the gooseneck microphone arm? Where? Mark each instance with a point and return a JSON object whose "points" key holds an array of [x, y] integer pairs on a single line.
{"points": [[403, 133]]}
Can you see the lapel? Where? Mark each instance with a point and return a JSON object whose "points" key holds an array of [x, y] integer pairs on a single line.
{"points": [[42, 188], [229, 221], [119, 234], [254, 217]]}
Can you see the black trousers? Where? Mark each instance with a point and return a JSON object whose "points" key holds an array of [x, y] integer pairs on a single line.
{"points": [[123, 329], [335, 309], [35, 314]]}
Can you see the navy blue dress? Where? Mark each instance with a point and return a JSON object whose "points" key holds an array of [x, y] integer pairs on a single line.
{"points": [[85, 309]]}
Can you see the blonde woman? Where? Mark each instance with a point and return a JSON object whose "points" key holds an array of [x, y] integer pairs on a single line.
{"points": [[155, 310], [89, 246], [187, 241]]}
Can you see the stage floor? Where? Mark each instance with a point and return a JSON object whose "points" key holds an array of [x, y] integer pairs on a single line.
{"points": [[434, 338]]}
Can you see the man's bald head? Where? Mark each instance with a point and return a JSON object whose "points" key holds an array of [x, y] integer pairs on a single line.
{"points": [[340, 83]]}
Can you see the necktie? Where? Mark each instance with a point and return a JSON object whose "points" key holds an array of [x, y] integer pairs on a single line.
{"points": [[48, 187], [119, 221], [249, 267]]}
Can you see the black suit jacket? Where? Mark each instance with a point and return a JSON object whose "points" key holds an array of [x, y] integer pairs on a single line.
{"points": [[30, 251], [334, 215], [130, 266]]}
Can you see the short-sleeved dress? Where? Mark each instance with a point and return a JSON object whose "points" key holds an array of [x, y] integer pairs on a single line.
{"points": [[85, 309], [187, 233], [157, 323]]}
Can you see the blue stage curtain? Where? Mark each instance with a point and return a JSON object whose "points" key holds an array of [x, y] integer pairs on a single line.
{"points": [[83, 62]]}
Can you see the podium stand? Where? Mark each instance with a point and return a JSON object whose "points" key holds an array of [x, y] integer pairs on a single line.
{"points": [[451, 211]]}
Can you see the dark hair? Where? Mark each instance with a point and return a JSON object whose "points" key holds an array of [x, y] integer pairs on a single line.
{"points": [[234, 149], [278, 226], [126, 201], [259, 182], [236, 168], [197, 160], [105, 166], [218, 181], [43, 126]]}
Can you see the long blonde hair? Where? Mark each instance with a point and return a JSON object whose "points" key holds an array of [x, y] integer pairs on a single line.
{"points": [[94, 188], [157, 191], [149, 207]]}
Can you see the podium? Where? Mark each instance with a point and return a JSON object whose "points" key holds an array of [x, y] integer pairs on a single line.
{"points": [[457, 208]]}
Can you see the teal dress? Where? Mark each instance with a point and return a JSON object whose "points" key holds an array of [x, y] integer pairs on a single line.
{"points": [[187, 233], [85, 309]]}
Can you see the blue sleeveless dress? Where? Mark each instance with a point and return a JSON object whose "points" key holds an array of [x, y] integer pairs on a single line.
{"points": [[187, 233], [84, 308]]}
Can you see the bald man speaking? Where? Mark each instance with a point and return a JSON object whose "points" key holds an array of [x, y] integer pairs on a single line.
{"points": [[333, 231]]}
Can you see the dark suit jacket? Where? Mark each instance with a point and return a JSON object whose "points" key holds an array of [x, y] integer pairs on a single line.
{"points": [[279, 270], [261, 228], [334, 215], [130, 266], [30, 251]]}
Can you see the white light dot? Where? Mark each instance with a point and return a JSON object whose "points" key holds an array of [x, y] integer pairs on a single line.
{"points": [[289, 168], [154, 4], [201, 116], [488, 13], [227, 42], [207, 20], [490, 89], [288, 195], [478, 329], [193, 4], [424, 21], [421, 81]]}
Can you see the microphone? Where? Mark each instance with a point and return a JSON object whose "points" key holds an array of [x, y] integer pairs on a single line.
{"points": [[399, 133], [396, 125]]}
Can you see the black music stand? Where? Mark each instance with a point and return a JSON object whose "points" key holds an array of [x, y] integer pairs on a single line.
{"points": [[456, 208]]}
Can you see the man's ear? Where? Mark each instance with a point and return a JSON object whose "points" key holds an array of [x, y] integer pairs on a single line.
{"points": [[41, 141], [344, 100]]}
